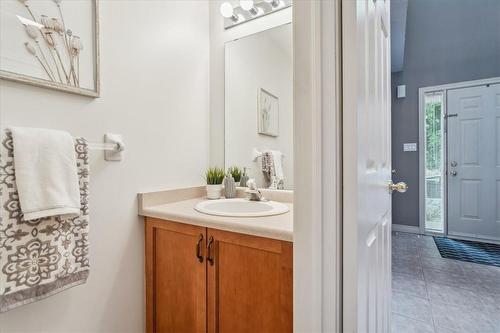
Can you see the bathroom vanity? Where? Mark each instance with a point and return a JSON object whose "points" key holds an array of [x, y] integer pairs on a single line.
{"points": [[209, 273]]}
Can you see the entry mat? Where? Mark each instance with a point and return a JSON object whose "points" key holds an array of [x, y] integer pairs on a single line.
{"points": [[479, 253]]}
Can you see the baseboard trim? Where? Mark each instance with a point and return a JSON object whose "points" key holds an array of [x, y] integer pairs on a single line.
{"points": [[405, 228]]}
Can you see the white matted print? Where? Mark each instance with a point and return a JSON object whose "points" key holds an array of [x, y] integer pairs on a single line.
{"points": [[51, 43], [268, 113]]}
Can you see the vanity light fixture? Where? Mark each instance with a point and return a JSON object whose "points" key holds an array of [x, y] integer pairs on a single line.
{"points": [[226, 10], [248, 10]]}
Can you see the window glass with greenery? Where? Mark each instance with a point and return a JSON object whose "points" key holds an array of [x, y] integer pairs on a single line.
{"points": [[434, 185]]}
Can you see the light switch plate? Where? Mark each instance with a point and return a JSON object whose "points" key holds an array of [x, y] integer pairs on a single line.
{"points": [[410, 147], [401, 91]]}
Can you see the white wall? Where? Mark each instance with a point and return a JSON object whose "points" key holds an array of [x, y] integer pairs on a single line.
{"points": [[155, 76], [218, 37], [262, 60]]}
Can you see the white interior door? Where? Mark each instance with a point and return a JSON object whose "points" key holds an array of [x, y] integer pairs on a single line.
{"points": [[474, 162], [367, 166]]}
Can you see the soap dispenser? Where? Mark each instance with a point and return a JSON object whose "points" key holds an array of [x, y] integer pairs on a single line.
{"points": [[229, 186], [244, 178]]}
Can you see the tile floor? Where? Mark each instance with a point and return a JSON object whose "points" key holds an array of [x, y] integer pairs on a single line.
{"points": [[437, 295]]}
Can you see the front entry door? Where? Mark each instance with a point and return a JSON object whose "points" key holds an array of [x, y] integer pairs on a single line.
{"points": [[474, 162]]}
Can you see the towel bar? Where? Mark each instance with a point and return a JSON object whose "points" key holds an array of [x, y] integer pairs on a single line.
{"points": [[104, 146], [112, 146], [257, 154]]}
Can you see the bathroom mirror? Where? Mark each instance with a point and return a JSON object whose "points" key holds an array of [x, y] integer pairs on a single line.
{"points": [[259, 106]]}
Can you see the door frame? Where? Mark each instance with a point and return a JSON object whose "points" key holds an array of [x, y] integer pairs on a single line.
{"points": [[421, 142], [317, 166]]}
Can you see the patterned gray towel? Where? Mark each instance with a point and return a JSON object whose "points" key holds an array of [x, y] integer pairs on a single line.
{"points": [[40, 258]]}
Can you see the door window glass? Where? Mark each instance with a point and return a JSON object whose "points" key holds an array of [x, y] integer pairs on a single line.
{"points": [[434, 152]]}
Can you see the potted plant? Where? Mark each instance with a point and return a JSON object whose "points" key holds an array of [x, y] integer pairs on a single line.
{"points": [[214, 177], [236, 173]]}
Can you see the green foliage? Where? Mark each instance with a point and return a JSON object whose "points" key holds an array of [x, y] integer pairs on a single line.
{"points": [[214, 176], [433, 211], [433, 136], [434, 122], [235, 172]]}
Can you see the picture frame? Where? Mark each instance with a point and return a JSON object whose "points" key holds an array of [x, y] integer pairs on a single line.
{"points": [[41, 49], [268, 113]]}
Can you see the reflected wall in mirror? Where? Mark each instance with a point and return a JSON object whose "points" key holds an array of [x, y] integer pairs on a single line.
{"points": [[259, 106]]}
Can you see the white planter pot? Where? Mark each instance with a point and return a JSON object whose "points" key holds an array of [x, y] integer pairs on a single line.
{"points": [[214, 191]]}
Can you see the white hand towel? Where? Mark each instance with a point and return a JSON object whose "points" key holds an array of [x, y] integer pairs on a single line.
{"points": [[46, 173], [278, 164]]}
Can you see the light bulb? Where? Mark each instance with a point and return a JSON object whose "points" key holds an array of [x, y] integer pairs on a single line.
{"points": [[274, 3], [246, 4], [226, 10]]}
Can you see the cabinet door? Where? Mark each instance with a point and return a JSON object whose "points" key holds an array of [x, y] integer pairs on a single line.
{"points": [[249, 283], [175, 277]]}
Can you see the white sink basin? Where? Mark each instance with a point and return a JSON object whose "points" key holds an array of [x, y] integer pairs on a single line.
{"points": [[241, 208]]}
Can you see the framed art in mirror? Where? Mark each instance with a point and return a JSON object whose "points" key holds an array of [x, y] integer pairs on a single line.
{"points": [[268, 113], [51, 43]]}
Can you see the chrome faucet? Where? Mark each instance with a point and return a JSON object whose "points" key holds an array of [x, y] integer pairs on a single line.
{"points": [[253, 194]]}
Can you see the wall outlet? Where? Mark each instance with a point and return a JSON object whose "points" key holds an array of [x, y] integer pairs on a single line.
{"points": [[410, 147]]}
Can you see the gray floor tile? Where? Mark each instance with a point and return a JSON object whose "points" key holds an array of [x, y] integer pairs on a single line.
{"points": [[412, 307], [489, 286], [491, 302], [405, 251], [401, 324], [415, 270], [404, 242], [461, 318], [478, 271], [452, 295], [427, 244], [426, 241], [458, 280], [429, 252], [495, 320], [462, 297], [448, 265], [448, 330], [406, 259], [408, 285]]}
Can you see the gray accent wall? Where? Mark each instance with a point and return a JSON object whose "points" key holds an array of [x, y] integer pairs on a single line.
{"points": [[399, 8], [446, 41]]}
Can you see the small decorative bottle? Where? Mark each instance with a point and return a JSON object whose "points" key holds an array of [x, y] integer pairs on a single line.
{"points": [[244, 178], [229, 186]]}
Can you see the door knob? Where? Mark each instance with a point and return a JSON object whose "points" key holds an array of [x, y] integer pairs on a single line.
{"points": [[453, 173], [401, 187]]}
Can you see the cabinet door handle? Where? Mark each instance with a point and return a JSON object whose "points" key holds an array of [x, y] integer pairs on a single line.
{"points": [[210, 258], [199, 255]]}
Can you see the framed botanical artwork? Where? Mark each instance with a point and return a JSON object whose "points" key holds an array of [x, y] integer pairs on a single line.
{"points": [[51, 43], [268, 113]]}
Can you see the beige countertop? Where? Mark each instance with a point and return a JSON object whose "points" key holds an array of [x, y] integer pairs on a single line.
{"points": [[178, 206]]}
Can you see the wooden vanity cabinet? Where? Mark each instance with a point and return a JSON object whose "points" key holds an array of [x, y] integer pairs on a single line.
{"points": [[175, 277], [249, 284], [243, 284]]}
